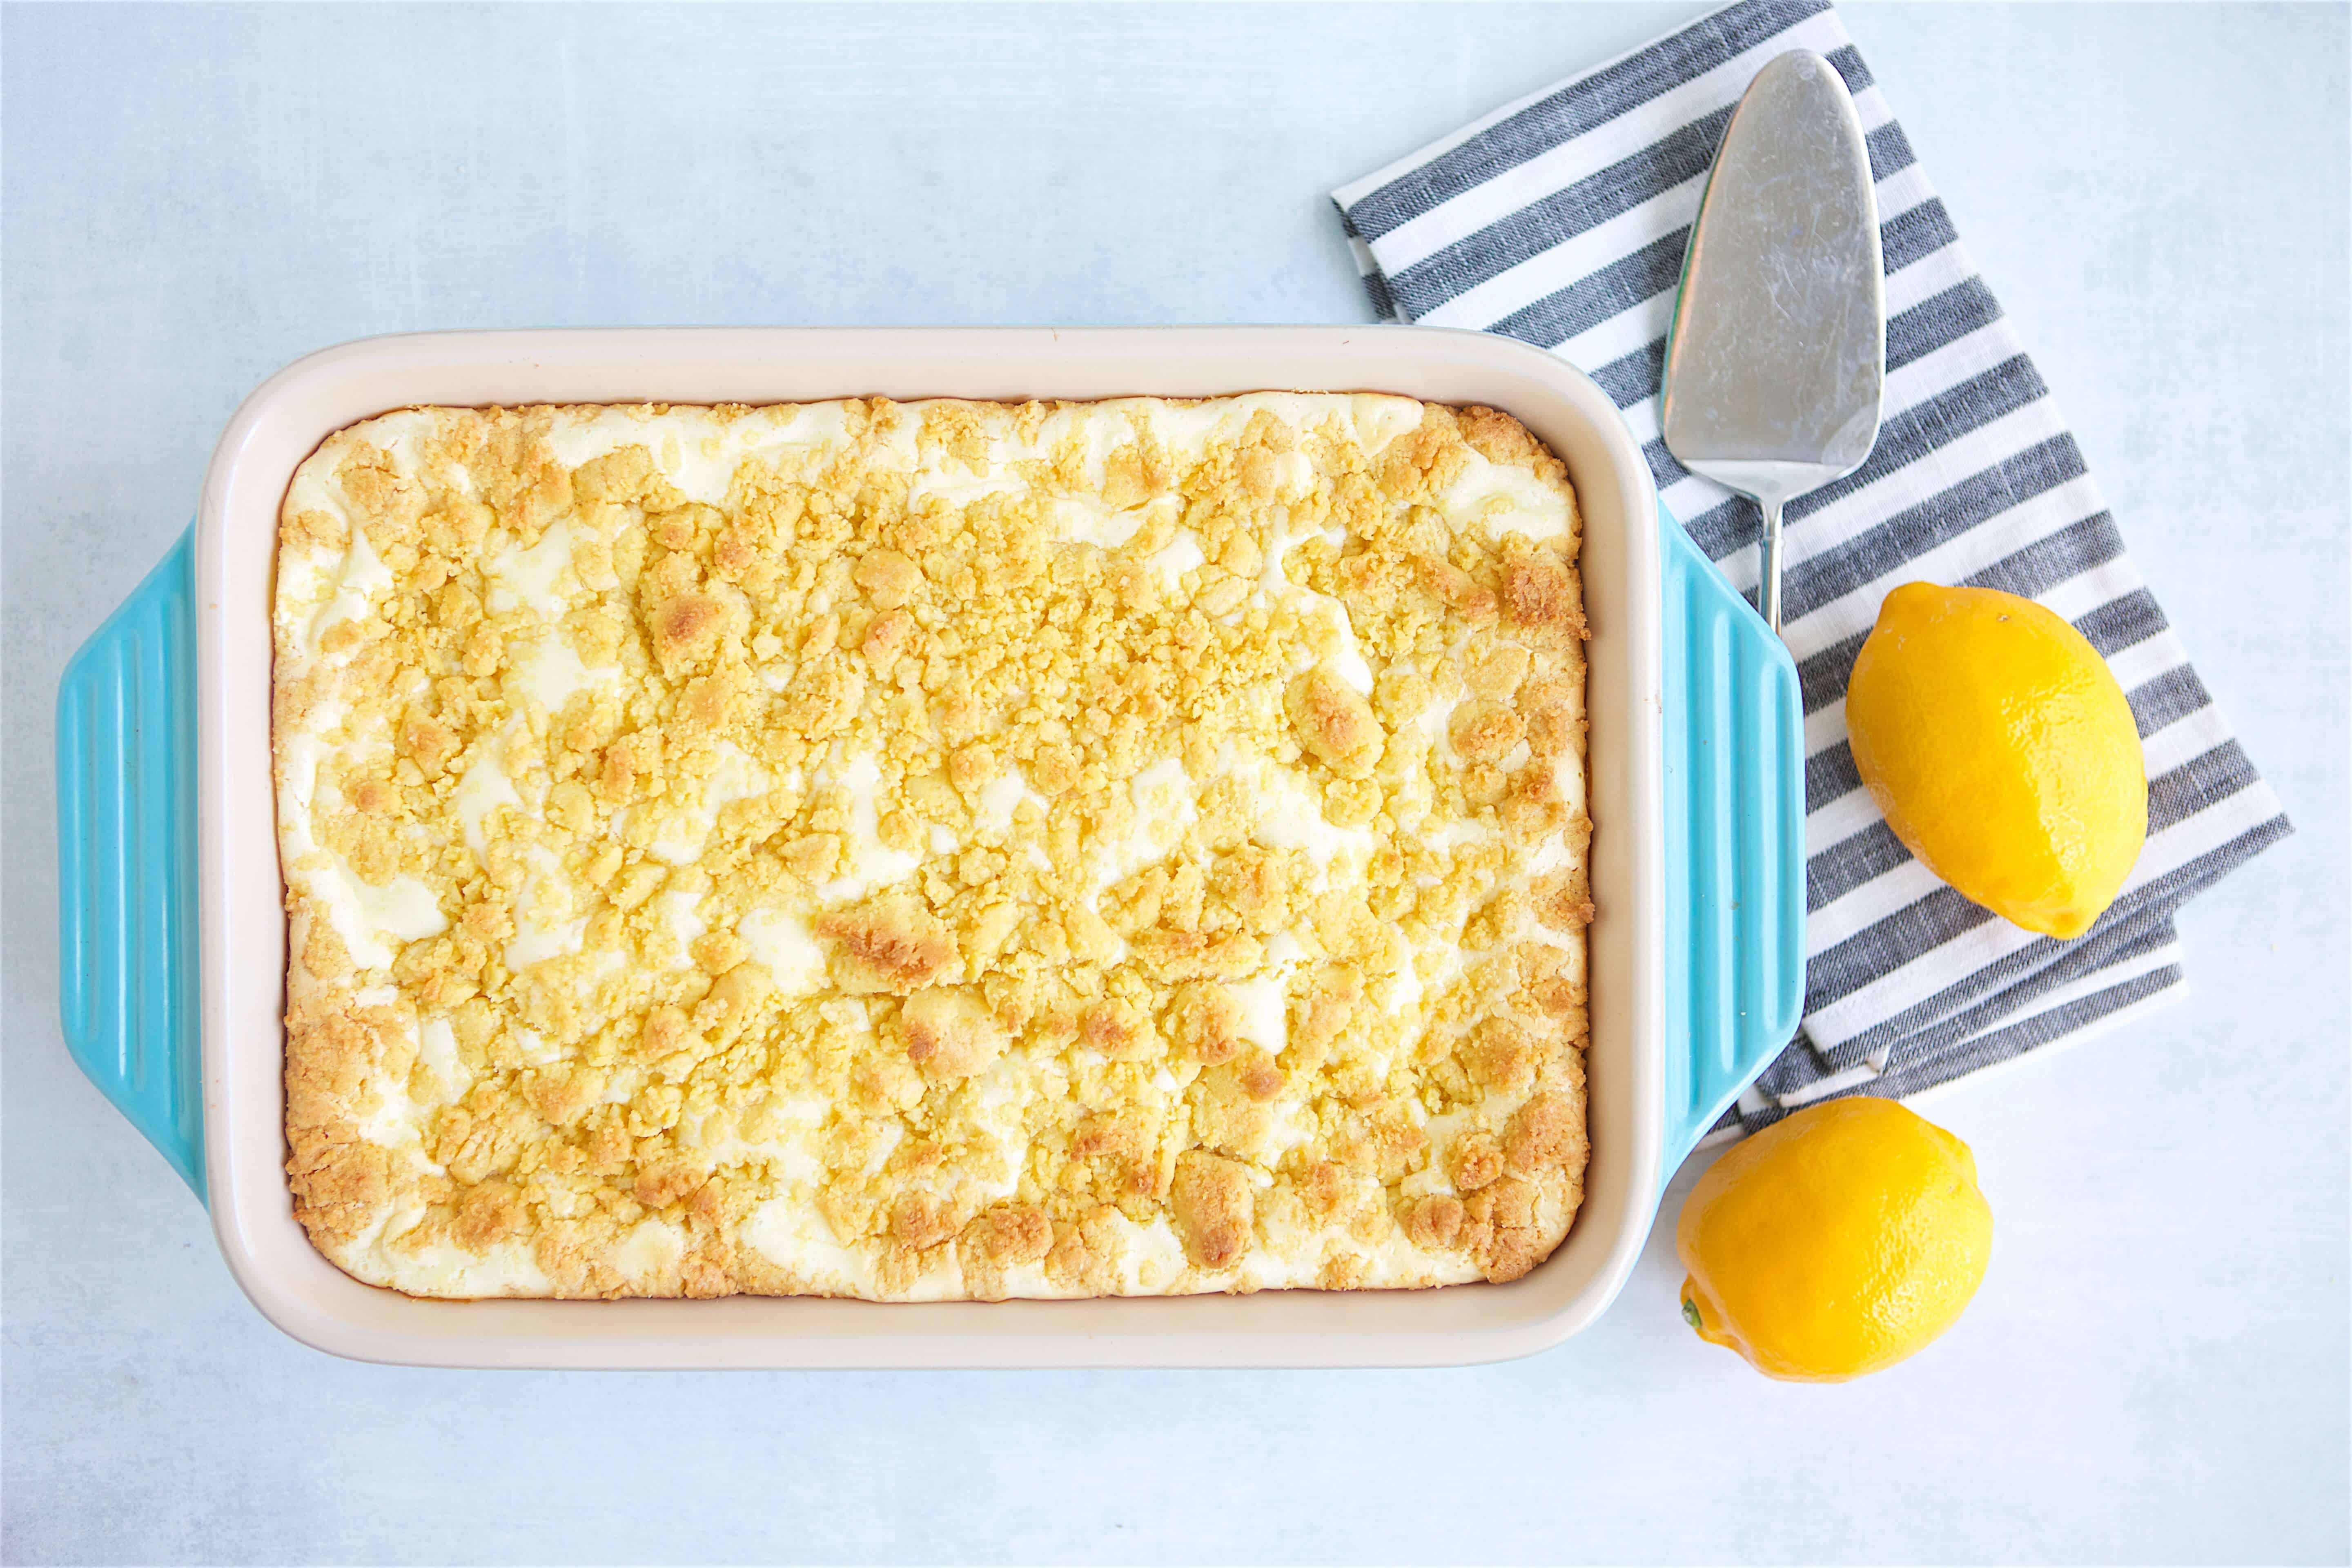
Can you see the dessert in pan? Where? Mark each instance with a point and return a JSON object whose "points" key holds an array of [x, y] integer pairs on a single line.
{"points": [[934, 850]]}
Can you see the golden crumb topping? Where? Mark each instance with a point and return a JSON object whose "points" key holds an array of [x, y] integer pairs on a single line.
{"points": [[939, 850]]}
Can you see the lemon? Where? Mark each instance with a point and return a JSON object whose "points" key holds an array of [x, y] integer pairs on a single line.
{"points": [[2002, 751], [1834, 1242]]}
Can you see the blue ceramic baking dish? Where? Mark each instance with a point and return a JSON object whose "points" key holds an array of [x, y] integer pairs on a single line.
{"points": [[172, 952]]}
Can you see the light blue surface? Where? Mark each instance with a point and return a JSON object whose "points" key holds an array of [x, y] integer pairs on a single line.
{"points": [[2155, 1367], [127, 971]]}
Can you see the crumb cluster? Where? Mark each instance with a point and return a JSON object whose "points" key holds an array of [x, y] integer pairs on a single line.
{"points": [[938, 851]]}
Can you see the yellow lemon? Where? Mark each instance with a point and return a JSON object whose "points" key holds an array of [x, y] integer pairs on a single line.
{"points": [[1834, 1242], [2002, 752]]}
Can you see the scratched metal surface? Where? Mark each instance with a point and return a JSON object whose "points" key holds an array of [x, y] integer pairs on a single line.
{"points": [[1778, 356], [1778, 348]]}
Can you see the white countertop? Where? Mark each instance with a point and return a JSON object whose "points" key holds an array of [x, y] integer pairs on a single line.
{"points": [[2157, 1365]]}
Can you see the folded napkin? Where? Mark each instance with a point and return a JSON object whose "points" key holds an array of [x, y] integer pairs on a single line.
{"points": [[1561, 220]]}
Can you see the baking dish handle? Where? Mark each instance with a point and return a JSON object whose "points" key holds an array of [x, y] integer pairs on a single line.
{"points": [[1735, 753], [126, 861]]}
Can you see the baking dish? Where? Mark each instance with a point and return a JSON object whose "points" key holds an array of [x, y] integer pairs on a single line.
{"points": [[173, 934]]}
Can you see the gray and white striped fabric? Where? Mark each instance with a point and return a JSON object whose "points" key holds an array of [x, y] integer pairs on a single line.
{"points": [[1561, 220]]}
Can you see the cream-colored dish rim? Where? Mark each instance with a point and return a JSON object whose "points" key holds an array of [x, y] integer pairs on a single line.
{"points": [[240, 893]]}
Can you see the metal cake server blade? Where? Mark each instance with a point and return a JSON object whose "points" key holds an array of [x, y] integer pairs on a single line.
{"points": [[1776, 363]]}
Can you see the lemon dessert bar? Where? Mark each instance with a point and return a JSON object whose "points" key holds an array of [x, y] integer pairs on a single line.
{"points": [[937, 850]]}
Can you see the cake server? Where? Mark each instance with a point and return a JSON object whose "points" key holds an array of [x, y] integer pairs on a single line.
{"points": [[1776, 359]]}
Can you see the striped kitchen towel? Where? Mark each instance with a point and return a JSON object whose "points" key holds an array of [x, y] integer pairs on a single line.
{"points": [[1561, 220]]}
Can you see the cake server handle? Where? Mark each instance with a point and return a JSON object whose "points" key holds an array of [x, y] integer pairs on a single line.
{"points": [[126, 739], [1735, 832]]}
